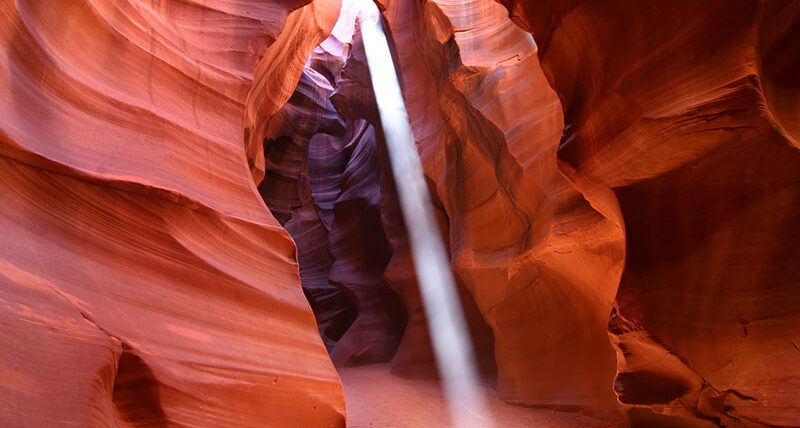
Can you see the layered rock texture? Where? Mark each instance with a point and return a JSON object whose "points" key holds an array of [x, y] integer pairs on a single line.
{"points": [[323, 183], [142, 279], [684, 112], [189, 185], [488, 125]]}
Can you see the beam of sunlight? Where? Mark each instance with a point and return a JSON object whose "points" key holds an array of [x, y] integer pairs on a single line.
{"points": [[449, 333]]}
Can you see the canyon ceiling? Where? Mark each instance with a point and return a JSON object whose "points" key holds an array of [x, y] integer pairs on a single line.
{"points": [[199, 222]]}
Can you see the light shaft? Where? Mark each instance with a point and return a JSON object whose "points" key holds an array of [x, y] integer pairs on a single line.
{"points": [[448, 329]]}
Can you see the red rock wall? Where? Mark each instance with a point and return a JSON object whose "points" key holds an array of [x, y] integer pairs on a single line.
{"points": [[686, 111], [656, 222], [619, 198], [144, 282], [541, 263]]}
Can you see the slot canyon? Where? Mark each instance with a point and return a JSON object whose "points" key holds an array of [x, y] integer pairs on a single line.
{"points": [[202, 220]]}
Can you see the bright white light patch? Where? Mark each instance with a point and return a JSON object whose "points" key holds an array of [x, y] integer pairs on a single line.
{"points": [[448, 329]]}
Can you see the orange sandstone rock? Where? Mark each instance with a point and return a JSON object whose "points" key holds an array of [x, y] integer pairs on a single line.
{"points": [[688, 112], [541, 262], [142, 279], [620, 199]]}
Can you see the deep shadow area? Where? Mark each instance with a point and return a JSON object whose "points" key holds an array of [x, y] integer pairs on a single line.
{"points": [[136, 392]]}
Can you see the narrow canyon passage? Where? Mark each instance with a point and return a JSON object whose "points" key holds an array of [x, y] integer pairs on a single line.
{"points": [[544, 284], [323, 182], [328, 180], [323, 159], [201, 225]]}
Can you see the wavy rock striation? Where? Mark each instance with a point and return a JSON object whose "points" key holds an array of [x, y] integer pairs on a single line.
{"points": [[323, 183], [541, 262], [144, 282], [620, 200], [688, 113], [329, 183]]}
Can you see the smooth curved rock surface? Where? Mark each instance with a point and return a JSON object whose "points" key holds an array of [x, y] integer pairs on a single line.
{"points": [[144, 282], [540, 261], [620, 199], [693, 126]]}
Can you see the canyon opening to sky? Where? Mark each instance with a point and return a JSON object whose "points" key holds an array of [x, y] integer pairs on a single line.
{"points": [[504, 213]]}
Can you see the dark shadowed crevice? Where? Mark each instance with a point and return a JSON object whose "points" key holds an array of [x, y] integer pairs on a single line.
{"points": [[136, 392], [778, 38], [323, 184], [328, 181]]}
